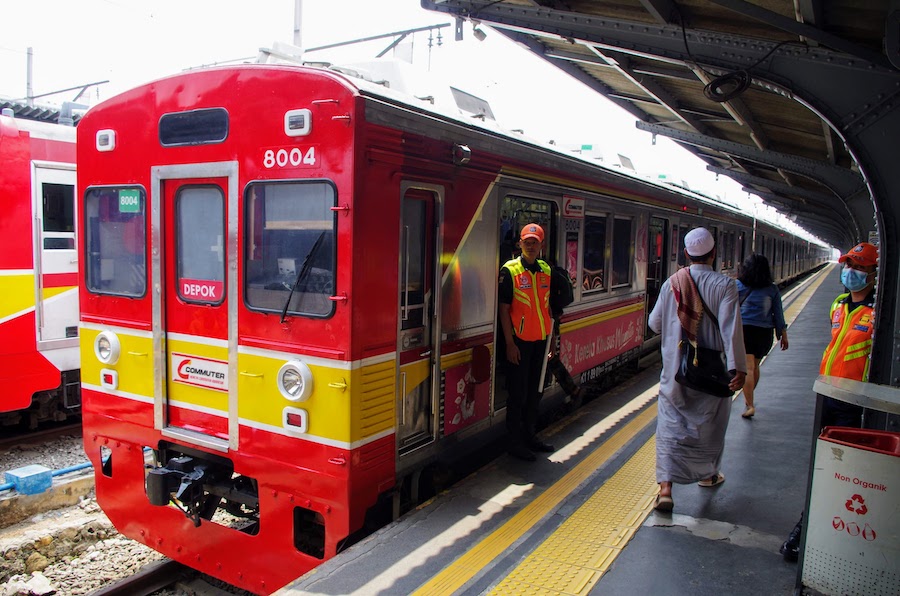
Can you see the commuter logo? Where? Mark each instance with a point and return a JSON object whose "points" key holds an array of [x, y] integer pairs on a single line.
{"points": [[200, 372]]}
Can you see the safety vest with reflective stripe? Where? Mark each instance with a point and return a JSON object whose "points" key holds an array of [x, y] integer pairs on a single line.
{"points": [[530, 307], [847, 355]]}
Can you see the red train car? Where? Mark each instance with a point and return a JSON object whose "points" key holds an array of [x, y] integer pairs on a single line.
{"points": [[289, 295], [38, 268]]}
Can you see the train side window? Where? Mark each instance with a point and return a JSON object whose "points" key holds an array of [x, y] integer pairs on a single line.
{"points": [[594, 256], [116, 241], [289, 249], [622, 251], [58, 216], [200, 230]]}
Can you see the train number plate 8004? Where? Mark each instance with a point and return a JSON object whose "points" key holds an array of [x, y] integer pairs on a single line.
{"points": [[290, 157]]}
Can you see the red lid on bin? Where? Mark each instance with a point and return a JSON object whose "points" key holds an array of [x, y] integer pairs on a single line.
{"points": [[877, 441]]}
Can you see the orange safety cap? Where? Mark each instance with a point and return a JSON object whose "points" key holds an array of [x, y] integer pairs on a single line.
{"points": [[532, 230], [864, 254]]}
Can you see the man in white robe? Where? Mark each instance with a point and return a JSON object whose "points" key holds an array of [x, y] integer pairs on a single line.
{"points": [[691, 425]]}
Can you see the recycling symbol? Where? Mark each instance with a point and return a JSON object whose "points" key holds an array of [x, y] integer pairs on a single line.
{"points": [[856, 504]]}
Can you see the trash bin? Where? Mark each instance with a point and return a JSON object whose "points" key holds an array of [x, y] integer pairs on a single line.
{"points": [[853, 526]]}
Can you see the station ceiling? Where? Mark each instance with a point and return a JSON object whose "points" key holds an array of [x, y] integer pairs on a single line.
{"points": [[703, 73]]}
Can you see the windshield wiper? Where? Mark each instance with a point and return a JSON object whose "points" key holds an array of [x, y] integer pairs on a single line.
{"points": [[307, 265]]}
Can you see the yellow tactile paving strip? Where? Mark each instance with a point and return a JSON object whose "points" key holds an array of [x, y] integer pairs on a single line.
{"points": [[574, 558], [455, 575], [793, 311]]}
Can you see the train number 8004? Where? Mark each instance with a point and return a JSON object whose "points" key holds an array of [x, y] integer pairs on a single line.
{"points": [[293, 157]]}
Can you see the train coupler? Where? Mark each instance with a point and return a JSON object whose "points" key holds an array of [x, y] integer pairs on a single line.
{"points": [[182, 481]]}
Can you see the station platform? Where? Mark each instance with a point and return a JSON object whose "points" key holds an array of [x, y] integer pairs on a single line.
{"points": [[581, 519]]}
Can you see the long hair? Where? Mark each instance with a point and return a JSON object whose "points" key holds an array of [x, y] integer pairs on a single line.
{"points": [[755, 272]]}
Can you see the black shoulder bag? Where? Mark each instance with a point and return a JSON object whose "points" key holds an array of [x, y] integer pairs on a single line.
{"points": [[703, 369]]}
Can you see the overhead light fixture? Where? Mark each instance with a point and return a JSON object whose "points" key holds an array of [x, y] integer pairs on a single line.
{"points": [[478, 32]]}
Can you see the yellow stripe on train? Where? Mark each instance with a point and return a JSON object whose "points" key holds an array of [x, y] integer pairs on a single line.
{"points": [[345, 405], [135, 364], [599, 318], [17, 294], [47, 293]]}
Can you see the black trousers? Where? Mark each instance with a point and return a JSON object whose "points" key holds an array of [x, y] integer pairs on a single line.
{"points": [[522, 383]]}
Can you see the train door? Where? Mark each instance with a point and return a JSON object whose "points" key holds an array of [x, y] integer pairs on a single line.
{"points": [[418, 343], [55, 255], [657, 261], [198, 317]]}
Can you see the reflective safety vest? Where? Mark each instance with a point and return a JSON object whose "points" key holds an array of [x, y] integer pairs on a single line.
{"points": [[530, 307], [847, 355]]}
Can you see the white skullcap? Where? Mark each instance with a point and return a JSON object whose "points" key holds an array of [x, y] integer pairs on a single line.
{"points": [[699, 242]]}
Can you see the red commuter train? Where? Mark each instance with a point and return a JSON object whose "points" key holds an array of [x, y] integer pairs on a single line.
{"points": [[38, 271], [288, 294]]}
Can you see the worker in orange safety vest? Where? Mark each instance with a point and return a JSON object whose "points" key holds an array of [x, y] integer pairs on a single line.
{"points": [[524, 299], [852, 324], [847, 355]]}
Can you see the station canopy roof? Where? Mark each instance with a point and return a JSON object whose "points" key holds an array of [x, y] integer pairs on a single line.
{"points": [[23, 110], [697, 71]]}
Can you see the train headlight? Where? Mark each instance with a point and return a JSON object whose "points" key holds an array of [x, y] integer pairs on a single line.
{"points": [[107, 347], [295, 381]]}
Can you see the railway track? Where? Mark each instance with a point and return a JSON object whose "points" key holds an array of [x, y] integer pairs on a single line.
{"points": [[166, 574], [9, 438], [150, 579]]}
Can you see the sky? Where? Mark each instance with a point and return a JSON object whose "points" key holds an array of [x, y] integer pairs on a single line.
{"points": [[130, 42]]}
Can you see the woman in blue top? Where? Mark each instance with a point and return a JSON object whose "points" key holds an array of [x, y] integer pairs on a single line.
{"points": [[761, 313]]}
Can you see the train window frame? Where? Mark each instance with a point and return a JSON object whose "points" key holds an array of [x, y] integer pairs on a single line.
{"points": [[280, 273], [513, 219], [673, 239], [590, 286], [94, 259], [203, 126], [680, 257], [182, 228], [616, 245], [57, 216]]}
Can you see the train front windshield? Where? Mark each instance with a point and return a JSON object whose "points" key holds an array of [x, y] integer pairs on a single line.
{"points": [[116, 241], [289, 251]]}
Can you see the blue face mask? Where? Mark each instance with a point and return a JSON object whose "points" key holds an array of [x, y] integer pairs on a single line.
{"points": [[854, 280]]}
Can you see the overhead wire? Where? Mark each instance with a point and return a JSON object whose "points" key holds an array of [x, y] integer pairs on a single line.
{"points": [[725, 87]]}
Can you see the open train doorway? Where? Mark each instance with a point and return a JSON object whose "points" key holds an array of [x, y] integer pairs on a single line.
{"points": [[515, 213]]}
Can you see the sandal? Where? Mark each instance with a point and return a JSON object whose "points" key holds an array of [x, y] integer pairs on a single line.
{"points": [[749, 412], [716, 480], [664, 503]]}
